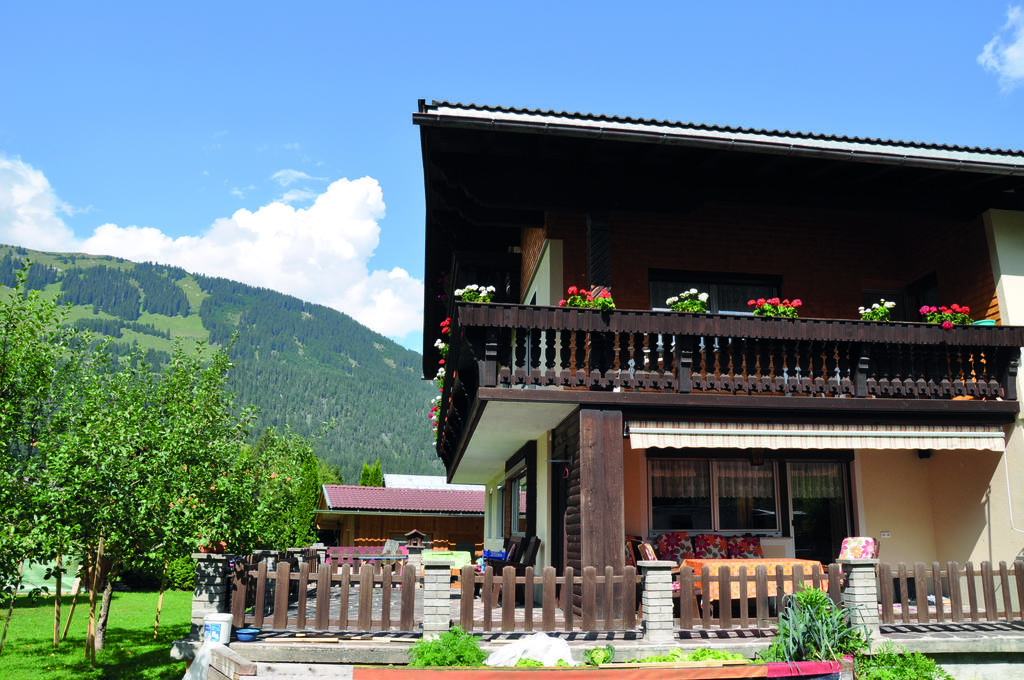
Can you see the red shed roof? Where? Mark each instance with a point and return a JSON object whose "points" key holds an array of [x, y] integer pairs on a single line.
{"points": [[427, 501]]}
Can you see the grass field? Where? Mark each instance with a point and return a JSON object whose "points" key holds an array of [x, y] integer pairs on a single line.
{"points": [[130, 651]]}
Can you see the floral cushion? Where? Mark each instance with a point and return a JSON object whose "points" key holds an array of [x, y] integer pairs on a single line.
{"points": [[675, 546], [745, 547], [859, 548], [710, 546]]}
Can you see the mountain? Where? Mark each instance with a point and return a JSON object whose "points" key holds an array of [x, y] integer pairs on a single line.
{"points": [[300, 363]]}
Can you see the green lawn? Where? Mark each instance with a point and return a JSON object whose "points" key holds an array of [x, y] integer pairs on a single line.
{"points": [[130, 652]]}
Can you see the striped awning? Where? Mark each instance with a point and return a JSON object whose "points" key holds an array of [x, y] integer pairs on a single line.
{"points": [[663, 434]]}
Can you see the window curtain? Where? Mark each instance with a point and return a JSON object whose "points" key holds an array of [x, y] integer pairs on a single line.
{"points": [[740, 479], [680, 479], [816, 480]]}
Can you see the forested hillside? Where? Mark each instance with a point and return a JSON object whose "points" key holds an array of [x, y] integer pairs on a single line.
{"points": [[301, 364]]}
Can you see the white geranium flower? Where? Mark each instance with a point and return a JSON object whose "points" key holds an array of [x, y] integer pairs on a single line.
{"points": [[672, 300], [890, 305], [460, 291], [703, 297], [693, 291]]}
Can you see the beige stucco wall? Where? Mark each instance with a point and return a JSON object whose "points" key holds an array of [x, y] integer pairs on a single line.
{"points": [[494, 537], [951, 506], [547, 276], [544, 531], [634, 473]]}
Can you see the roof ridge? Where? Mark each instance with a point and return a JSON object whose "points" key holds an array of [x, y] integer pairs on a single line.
{"points": [[707, 127]]}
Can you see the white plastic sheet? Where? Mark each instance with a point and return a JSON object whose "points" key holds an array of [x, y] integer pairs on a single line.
{"points": [[538, 647]]}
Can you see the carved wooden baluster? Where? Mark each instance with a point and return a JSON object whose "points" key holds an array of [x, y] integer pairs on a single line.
{"points": [[549, 357], [758, 351], [683, 347], [960, 371], [534, 375], [945, 360], [580, 358], [980, 372], [818, 377], [921, 366], [882, 361], [800, 380], [565, 358], [620, 361], [741, 382], [714, 376], [767, 368], [668, 354], [519, 365], [639, 341], [778, 366], [596, 364], [995, 358], [846, 359], [726, 360], [898, 370]]}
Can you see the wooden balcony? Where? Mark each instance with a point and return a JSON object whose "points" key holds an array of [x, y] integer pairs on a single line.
{"points": [[669, 358]]}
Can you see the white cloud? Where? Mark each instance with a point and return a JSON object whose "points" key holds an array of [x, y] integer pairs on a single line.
{"points": [[297, 196], [287, 177], [29, 209], [1004, 54], [320, 253]]}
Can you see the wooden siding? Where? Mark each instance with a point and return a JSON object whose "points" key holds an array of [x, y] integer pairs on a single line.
{"points": [[532, 244], [827, 258], [376, 529]]}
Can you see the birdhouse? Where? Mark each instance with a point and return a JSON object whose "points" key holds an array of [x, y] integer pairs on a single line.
{"points": [[415, 539]]}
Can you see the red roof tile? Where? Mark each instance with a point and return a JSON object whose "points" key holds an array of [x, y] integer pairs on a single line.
{"points": [[345, 497]]}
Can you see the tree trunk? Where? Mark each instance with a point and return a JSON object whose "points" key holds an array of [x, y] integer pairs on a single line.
{"points": [[160, 599], [101, 621], [56, 602], [10, 610], [94, 581]]}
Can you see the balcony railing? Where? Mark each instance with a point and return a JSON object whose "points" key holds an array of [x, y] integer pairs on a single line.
{"points": [[514, 346]]}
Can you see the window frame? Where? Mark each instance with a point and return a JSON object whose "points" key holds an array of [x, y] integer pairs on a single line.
{"points": [[716, 519]]}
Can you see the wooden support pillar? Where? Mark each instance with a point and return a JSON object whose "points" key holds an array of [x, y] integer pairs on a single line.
{"points": [[599, 250], [602, 527]]}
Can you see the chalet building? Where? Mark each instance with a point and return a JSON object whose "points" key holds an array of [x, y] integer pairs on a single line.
{"points": [[643, 420]]}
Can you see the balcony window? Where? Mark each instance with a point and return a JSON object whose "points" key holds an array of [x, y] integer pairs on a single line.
{"points": [[713, 495], [726, 293]]}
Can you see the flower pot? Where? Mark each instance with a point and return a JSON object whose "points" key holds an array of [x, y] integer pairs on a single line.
{"points": [[985, 322]]}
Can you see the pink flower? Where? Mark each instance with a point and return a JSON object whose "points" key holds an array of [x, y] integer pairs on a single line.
{"points": [[441, 362], [572, 290], [604, 294], [965, 310], [946, 325], [797, 303], [785, 303], [590, 298], [924, 310], [751, 303], [955, 307], [774, 301], [561, 303], [933, 309], [760, 302]]}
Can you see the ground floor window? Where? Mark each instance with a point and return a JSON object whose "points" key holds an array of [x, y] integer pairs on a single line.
{"points": [[740, 492], [713, 495]]}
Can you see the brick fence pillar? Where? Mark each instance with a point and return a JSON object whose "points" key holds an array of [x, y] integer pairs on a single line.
{"points": [[861, 593], [436, 599], [213, 582], [659, 626]]}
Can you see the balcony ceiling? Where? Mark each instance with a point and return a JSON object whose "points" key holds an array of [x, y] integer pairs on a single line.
{"points": [[502, 429]]}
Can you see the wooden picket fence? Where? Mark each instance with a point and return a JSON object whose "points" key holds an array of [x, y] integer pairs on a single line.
{"points": [[958, 594], [742, 610], [569, 603], [259, 600]]}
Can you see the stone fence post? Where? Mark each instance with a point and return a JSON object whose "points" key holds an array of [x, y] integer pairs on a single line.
{"points": [[213, 582], [659, 627], [861, 593], [436, 599]]}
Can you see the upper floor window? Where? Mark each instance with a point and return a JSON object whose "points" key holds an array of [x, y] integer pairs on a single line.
{"points": [[727, 293]]}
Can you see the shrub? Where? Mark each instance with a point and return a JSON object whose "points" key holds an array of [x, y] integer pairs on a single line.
{"points": [[452, 648], [892, 662], [181, 573], [813, 628]]}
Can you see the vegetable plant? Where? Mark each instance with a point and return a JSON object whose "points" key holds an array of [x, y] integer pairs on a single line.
{"points": [[893, 662], [452, 648], [599, 655], [813, 628]]}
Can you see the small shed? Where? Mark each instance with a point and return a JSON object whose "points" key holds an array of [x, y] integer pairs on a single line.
{"points": [[363, 515]]}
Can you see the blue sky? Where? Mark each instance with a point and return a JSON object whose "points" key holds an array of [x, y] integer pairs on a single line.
{"points": [[274, 144]]}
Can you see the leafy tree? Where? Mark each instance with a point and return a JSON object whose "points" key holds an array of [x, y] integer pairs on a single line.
{"points": [[327, 473], [34, 351], [371, 475]]}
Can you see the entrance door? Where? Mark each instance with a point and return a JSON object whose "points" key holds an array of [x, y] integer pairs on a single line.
{"points": [[818, 508]]}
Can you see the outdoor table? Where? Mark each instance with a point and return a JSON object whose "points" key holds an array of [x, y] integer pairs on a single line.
{"points": [[734, 565]]}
